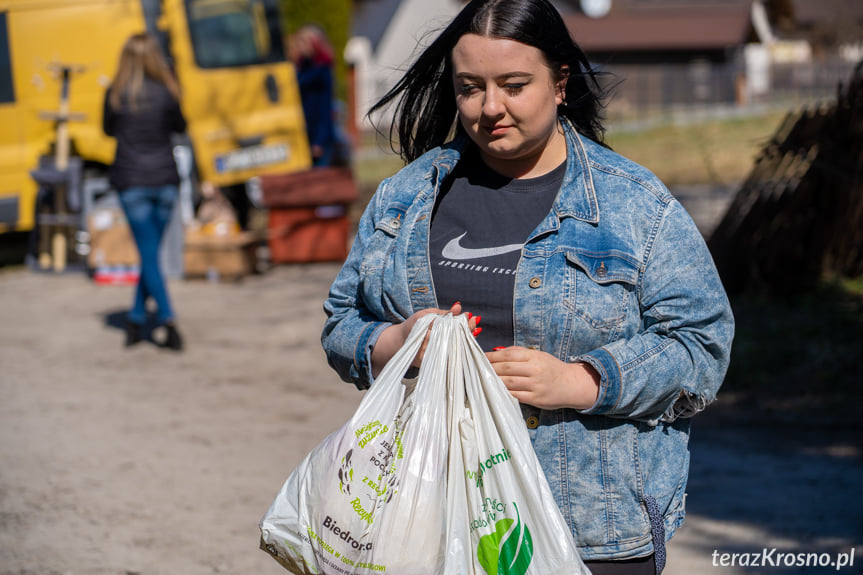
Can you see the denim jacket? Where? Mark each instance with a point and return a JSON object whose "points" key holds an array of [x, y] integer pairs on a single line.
{"points": [[616, 275]]}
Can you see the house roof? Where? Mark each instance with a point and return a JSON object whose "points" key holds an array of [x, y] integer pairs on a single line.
{"points": [[371, 18], [663, 26], [807, 12]]}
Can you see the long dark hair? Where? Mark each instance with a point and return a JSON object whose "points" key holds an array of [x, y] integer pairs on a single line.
{"points": [[425, 108]]}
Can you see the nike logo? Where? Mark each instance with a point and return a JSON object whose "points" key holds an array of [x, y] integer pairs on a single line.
{"points": [[454, 251]]}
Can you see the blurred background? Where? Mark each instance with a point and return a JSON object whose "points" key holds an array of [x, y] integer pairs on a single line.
{"points": [[750, 111]]}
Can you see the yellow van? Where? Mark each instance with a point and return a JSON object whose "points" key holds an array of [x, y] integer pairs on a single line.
{"points": [[239, 92]]}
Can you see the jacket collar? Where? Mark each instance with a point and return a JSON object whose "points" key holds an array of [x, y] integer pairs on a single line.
{"points": [[447, 157], [580, 200]]}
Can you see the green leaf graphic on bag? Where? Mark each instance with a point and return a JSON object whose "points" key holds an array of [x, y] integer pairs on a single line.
{"points": [[508, 550]]}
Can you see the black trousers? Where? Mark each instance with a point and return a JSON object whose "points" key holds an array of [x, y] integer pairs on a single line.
{"points": [[638, 566]]}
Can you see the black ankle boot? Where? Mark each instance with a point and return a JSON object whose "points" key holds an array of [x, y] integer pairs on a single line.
{"points": [[172, 337], [133, 333]]}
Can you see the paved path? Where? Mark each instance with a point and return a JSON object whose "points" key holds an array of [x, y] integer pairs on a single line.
{"points": [[706, 203], [761, 488]]}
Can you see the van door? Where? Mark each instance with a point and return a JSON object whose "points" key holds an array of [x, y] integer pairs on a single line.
{"points": [[240, 95]]}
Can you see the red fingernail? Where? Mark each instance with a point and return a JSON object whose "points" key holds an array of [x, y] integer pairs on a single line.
{"points": [[479, 317], [469, 315], [457, 303], [477, 331], [499, 348]]}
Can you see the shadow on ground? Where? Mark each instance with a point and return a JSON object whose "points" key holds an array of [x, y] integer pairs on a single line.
{"points": [[759, 483]]}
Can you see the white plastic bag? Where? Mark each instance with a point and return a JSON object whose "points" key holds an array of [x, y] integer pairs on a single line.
{"points": [[502, 518], [372, 496]]}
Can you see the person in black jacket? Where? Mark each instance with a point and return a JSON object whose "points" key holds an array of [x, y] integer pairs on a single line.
{"points": [[141, 111]]}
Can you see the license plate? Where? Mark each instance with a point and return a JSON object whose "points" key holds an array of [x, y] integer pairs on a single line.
{"points": [[246, 158]]}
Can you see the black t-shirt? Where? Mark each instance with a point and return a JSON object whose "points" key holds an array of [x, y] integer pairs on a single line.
{"points": [[479, 226]]}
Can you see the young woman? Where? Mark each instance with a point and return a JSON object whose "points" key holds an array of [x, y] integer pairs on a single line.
{"points": [[588, 285], [142, 111]]}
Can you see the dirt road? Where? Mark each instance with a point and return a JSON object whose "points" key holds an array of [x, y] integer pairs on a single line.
{"points": [[143, 461]]}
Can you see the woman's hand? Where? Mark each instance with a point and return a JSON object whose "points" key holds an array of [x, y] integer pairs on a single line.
{"points": [[394, 337], [538, 378]]}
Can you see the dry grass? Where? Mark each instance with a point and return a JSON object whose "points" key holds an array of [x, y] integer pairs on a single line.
{"points": [[718, 151]]}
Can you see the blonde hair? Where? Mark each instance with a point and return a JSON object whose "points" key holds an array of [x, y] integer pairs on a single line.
{"points": [[140, 58]]}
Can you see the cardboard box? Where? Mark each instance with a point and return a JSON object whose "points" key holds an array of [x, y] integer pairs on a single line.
{"points": [[111, 241], [302, 235], [216, 257]]}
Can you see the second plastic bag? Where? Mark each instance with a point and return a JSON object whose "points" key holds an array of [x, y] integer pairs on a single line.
{"points": [[501, 516]]}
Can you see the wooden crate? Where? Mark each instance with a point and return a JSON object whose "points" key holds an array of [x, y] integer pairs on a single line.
{"points": [[111, 242], [299, 235], [224, 257]]}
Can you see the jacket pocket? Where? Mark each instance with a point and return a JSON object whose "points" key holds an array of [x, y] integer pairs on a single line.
{"points": [[605, 284]]}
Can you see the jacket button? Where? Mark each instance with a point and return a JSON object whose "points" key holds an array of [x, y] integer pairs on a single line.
{"points": [[396, 223], [534, 282], [532, 422], [602, 271]]}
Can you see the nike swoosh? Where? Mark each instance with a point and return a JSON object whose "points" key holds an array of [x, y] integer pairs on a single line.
{"points": [[454, 251]]}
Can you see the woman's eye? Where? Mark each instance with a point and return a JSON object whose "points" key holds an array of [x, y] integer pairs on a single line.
{"points": [[513, 88], [468, 89]]}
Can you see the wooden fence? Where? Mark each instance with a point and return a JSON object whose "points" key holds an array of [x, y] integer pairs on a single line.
{"points": [[798, 217]]}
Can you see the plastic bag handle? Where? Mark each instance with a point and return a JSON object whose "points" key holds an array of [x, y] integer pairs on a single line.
{"points": [[401, 361]]}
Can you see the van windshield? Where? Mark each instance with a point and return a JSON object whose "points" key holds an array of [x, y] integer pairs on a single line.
{"points": [[228, 33]]}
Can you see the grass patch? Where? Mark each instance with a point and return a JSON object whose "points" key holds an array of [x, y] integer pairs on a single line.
{"points": [[716, 151]]}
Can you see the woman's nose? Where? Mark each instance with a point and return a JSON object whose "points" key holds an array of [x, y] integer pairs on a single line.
{"points": [[492, 105]]}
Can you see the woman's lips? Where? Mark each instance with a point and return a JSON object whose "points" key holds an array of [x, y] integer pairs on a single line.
{"points": [[497, 130]]}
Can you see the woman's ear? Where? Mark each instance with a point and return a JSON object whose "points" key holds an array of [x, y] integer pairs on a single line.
{"points": [[562, 77]]}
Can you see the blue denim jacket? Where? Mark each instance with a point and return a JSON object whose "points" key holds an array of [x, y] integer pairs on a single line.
{"points": [[616, 275]]}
